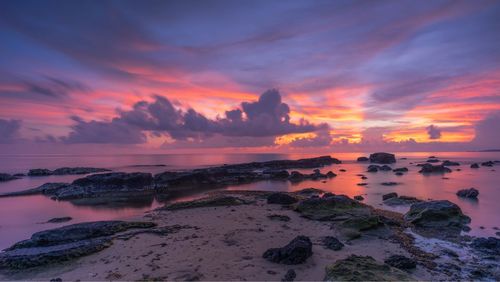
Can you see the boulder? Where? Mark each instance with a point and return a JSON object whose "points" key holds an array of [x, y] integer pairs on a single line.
{"points": [[290, 275], [372, 168], [7, 177], [332, 243], [401, 201], [389, 196], [401, 169], [39, 172], [468, 193], [474, 165], [488, 163], [330, 174], [450, 163], [428, 168], [362, 222], [382, 158], [363, 268], [295, 252], [359, 198], [362, 159], [385, 168], [281, 199], [401, 262], [436, 214]]}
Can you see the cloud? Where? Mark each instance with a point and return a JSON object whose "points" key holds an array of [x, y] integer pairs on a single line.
{"points": [[434, 132], [488, 132], [322, 139], [9, 130], [266, 117]]}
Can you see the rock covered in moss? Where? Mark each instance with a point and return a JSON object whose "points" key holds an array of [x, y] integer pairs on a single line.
{"points": [[363, 268]]}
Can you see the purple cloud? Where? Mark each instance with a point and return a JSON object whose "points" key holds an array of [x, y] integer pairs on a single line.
{"points": [[9, 130], [434, 132]]}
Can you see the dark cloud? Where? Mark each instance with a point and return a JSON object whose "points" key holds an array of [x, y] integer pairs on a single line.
{"points": [[434, 132], [9, 130], [267, 117]]}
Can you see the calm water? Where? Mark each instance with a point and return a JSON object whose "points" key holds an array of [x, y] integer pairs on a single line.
{"points": [[22, 216]]}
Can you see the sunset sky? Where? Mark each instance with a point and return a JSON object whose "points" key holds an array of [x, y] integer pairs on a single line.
{"points": [[249, 75]]}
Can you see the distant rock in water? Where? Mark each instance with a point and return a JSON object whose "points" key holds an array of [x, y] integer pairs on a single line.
{"points": [[401, 169], [468, 193], [428, 168], [295, 252], [474, 165], [39, 172], [389, 195], [59, 219], [78, 170], [385, 168], [401, 201], [450, 163], [382, 158], [362, 159], [363, 268], [7, 177], [433, 161], [488, 163], [372, 168], [391, 183]]}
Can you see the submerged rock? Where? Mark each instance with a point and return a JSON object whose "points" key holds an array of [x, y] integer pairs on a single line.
{"points": [[281, 199], [382, 158], [59, 219], [385, 168], [488, 163], [372, 168], [389, 196], [474, 165], [363, 268], [216, 201], [428, 168], [468, 193], [436, 214], [401, 262], [7, 177], [295, 252], [332, 243], [362, 159]]}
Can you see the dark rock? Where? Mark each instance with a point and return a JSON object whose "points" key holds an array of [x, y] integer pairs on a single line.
{"points": [[362, 159], [468, 193], [215, 201], [295, 252], [364, 177], [77, 170], [385, 168], [46, 189], [450, 163], [433, 161], [389, 183], [279, 217], [332, 243], [436, 214], [59, 219], [362, 222], [330, 174], [488, 163], [399, 173], [474, 165], [361, 268], [428, 168], [7, 177], [401, 262], [342, 170], [389, 195], [281, 199], [490, 245], [382, 158], [328, 194], [39, 172], [372, 168], [276, 174], [296, 176], [290, 275], [401, 201], [432, 157], [401, 169], [309, 192], [362, 184], [331, 208], [359, 198]]}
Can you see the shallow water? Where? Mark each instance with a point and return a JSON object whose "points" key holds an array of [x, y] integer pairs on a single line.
{"points": [[22, 216]]}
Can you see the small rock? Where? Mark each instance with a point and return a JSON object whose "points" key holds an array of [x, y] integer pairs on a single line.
{"points": [[362, 184], [59, 219], [468, 193], [428, 168], [401, 169], [450, 163], [330, 174], [290, 275], [362, 159], [474, 165], [389, 183], [488, 163], [332, 243], [279, 217], [295, 252]]}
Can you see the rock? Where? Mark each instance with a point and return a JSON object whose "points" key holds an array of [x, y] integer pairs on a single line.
{"points": [[428, 168], [281, 199], [389, 183], [385, 168], [362, 184], [436, 214], [382, 158], [474, 165], [331, 208], [389, 196], [364, 177], [39, 172], [290, 275], [7, 177], [308, 192], [433, 161], [279, 217], [215, 201], [450, 163], [59, 219], [401, 169], [359, 198], [363, 268], [332, 243], [468, 193], [342, 170], [46, 189], [401, 201], [295, 252], [362, 222], [372, 168], [488, 163], [401, 262], [490, 245], [362, 159], [78, 170], [277, 174], [330, 174], [399, 173]]}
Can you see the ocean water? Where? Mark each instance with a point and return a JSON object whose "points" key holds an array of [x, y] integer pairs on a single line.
{"points": [[22, 216]]}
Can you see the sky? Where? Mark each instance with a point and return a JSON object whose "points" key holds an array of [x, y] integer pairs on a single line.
{"points": [[262, 76]]}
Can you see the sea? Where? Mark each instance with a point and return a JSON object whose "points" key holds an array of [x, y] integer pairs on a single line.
{"points": [[20, 217]]}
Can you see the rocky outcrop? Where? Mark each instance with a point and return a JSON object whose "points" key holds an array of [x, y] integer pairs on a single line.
{"points": [[78, 170], [362, 159], [64, 243], [401, 201], [382, 158], [281, 199], [401, 262], [474, 165], [389, 196], [468, 193], [39, 172], [437, 216], [59, 219], [332, 243], [363, 268], [7, 177], [489, 246], [333, 207], [215, 201], [450, 163], [428, 168], [295, 252]]}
